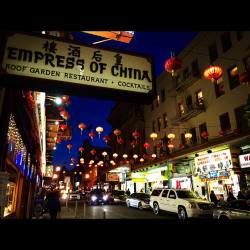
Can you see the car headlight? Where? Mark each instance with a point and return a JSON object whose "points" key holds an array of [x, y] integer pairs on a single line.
{"points": [[105, 197], [192, 205], [93, 198]]}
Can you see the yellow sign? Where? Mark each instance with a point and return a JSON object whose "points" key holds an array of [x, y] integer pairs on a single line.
{"points": [[71, 62]]}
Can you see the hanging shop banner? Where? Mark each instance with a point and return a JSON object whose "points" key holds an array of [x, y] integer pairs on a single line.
{"points": [[112, 177], [214, 165], [57, 59], [245, 161]]}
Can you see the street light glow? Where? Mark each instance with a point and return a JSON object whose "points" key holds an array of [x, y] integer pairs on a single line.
{"points": [[58, 100]]}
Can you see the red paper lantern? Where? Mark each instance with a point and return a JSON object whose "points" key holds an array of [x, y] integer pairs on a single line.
{"points": [[92, 135], [136, 134], [222, 133], [133, 143], [93, 151], [204, 134], [69, 146], [63, 127], [244, 78], [58, 140], [213, 73], [120, 140], [117, 132], [82, 126], [106, 139], [172, 65], [81, 149], [146, 145]]}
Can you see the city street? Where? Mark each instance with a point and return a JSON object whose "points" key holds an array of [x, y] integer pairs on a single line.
{"points": [[111, 212]]}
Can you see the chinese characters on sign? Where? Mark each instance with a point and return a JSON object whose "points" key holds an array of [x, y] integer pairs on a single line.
{"points": [[40, 57]]}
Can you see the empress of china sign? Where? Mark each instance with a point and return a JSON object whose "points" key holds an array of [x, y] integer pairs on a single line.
{"points": [[52, 59]]}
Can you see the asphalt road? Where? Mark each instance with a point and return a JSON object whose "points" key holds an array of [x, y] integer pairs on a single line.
{"points": [[116, 211]]}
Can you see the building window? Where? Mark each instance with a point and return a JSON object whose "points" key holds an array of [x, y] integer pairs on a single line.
{"points": [[153, 125], [181, 108], [241, 120], [159, 120], [225, 122], [157, 101], [199, 98], [195, 68], [213, 52], [194, 137], [189, 102], [162, 95], [219, 88], [203, 128], [239, 35], [226, 41], [165, 120], [233, 76], [185, 73]]}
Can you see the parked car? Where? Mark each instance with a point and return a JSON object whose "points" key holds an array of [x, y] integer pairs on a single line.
{"points": [[119, 196], [74, 196], [138, 200], [98, 196], [182, 202], [237, 209]]}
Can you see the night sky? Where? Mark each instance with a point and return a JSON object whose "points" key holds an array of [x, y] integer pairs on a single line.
{"points": [[95, 112]]}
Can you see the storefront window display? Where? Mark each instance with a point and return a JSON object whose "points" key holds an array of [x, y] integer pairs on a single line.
{"points": [[10, 196], [215, 171]]}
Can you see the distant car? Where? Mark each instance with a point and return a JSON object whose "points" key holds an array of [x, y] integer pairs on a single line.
{"points": [[138, 200], [74, 196], [119, 196], [237, 209], [97, 196]]}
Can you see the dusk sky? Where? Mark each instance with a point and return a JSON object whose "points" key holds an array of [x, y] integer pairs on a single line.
{"points": [[94, 112]]}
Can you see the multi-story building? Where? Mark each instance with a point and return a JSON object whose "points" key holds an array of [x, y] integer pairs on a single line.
{"points": [[213, 113]]}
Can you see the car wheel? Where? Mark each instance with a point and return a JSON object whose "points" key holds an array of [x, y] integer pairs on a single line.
{"points": [[128, 204], [140, 206], [156, 208], [182, 214]]}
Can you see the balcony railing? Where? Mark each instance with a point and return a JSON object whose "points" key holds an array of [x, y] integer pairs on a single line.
{"points": [[191, 111], [187, 82]]}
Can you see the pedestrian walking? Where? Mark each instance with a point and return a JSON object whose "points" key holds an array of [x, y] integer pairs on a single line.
{"points": [[53, 204], [230, 197], [213, 198]]}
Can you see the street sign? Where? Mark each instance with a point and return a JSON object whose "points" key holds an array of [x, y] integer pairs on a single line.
{"points": [[68, 64]]}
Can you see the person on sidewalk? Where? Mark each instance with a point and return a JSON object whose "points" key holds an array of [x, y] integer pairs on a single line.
{"points": [[54, 205], [213, 198]]}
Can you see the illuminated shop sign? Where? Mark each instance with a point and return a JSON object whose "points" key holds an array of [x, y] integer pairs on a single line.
{"points": [[70, 62], [112, 177], [218, 161], [245, 161]]}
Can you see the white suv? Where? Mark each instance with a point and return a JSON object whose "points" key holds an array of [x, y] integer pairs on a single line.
{"points": [[183, 202]]}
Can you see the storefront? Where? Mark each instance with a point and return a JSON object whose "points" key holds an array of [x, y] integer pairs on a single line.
{"points": [[149, 178], [213, 171], [245, 167]]}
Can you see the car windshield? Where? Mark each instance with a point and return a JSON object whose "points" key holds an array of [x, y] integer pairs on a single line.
{"points": [[97, 192], [185, 194]]}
